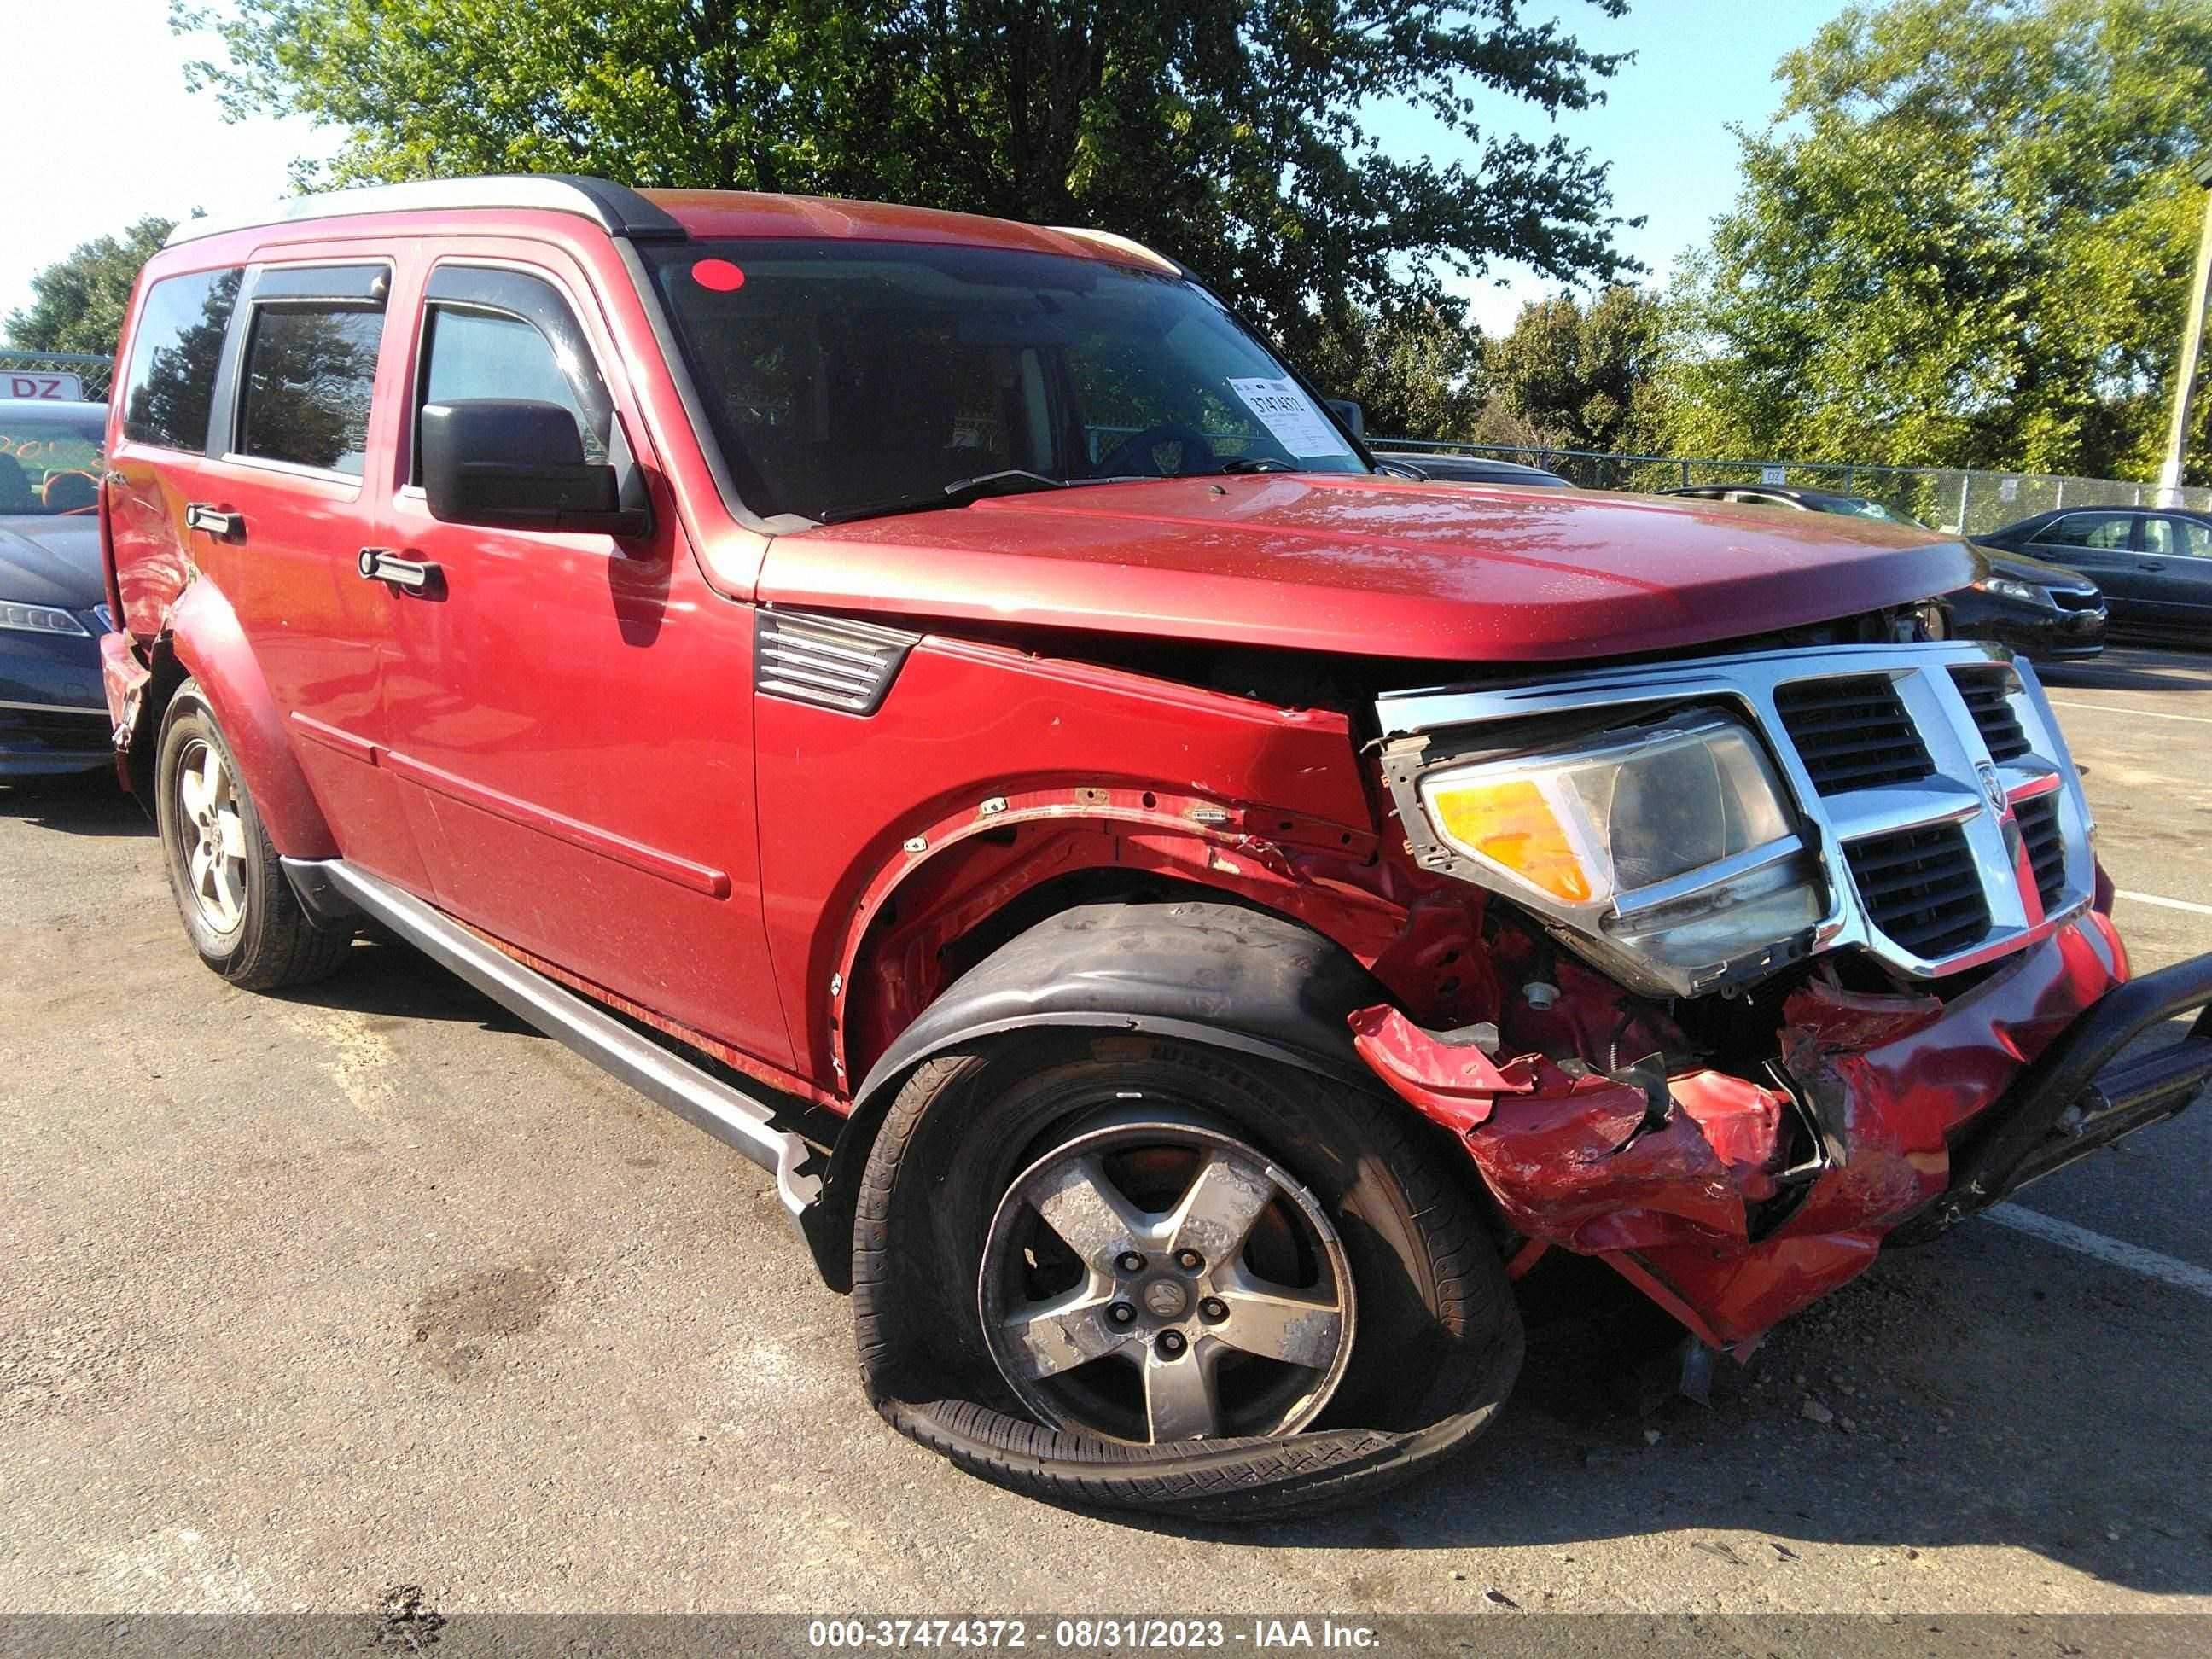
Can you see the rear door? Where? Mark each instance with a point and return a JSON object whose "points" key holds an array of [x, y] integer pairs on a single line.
{"points": [[572, 720], [2176, 571], [305, 400]]}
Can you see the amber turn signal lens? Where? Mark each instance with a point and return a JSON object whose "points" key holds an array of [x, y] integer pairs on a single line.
{"points": [[1509, 823]]}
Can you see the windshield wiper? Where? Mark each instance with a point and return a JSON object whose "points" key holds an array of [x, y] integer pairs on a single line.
{"points": [[1256, 464], [1011, 481]]}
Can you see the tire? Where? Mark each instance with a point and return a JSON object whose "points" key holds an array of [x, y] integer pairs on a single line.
{"points": [[1433, 1350], [238, 908]]}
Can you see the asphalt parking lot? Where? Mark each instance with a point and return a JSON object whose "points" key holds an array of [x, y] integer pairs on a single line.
{"points": [[307, 1296]]}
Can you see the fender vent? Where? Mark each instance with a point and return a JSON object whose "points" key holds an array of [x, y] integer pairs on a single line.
{"points": [[827, 660], [1852, 733]]}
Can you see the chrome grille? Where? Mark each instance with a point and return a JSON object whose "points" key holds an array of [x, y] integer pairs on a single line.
{"points": [[1852, 733], [1988, 692], [1921, 887], [2046, 845], [1917, 769]]}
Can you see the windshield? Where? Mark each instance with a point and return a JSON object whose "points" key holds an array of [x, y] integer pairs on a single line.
{"points": [[51, 461], [1858, 506], [845, 378]]}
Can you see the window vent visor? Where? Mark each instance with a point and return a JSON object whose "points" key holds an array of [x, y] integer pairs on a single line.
{"points": [[1921, 889], [827, 661], [1852, 733], [1987, 692]]}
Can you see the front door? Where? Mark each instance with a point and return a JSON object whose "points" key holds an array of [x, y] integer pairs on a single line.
{"points": [[572, 717]]}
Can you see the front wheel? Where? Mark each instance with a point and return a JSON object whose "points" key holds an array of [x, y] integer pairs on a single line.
{"points": [[1141, 1273]]}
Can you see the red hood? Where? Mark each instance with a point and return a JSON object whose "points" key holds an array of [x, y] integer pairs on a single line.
{"points": [[1368, 566]]}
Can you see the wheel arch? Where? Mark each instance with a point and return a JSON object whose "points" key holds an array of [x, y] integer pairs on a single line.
{"points": [[203, 640], [1196, 964]]}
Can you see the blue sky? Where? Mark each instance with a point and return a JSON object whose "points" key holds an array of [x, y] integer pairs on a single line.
{"points": [[100, 131]]}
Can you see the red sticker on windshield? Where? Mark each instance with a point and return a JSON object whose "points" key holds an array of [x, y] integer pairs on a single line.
{"points": [[718, 274]]}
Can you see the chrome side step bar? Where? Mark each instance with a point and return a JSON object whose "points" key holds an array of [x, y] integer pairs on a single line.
{"points": [[735, 1119]]}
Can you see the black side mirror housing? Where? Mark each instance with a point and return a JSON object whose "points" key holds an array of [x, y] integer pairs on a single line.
{"points": [[517, 465], [1351, 415]]}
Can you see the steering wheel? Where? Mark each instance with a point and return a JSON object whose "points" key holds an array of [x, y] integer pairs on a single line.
{"points": [[1134, 453]]}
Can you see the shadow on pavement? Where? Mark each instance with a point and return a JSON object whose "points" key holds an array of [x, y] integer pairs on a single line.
{"points": [[385, 978], [85, 804], [1996, 1392]]}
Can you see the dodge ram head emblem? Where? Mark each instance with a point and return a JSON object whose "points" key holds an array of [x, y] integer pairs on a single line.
{"points": [[1992, 787]]}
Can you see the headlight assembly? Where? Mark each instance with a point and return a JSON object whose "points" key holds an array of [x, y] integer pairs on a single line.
{"points": [[1666, 849], [2006, 588], [37, 618]]}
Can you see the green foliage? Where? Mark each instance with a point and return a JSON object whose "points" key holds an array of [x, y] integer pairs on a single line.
{"points": [[1415, 371], [77, 303], [1966, 239], [1582, 376], [1224, 132]]}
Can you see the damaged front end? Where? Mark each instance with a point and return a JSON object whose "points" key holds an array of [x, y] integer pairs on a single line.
{"points": [[1877, 863]]}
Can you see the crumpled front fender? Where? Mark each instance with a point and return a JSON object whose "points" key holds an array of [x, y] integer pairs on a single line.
{"points": [[1661, 1176]]}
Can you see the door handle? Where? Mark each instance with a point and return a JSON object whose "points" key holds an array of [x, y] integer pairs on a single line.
{"points": [[2151, 564], [222, 525], [379, 565]]}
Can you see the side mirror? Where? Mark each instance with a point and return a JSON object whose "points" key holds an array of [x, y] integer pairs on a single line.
{"points": [[1351, 415], [518, 465]]}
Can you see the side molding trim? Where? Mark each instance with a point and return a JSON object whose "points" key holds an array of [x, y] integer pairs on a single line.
{"points": [[737, 1120]]}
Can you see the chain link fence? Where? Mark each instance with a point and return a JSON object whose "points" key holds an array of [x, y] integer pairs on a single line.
{"points": [[1954, 500], [93, 373]]}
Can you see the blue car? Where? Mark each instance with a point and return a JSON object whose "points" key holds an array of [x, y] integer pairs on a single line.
{"points": [[53, 717]]}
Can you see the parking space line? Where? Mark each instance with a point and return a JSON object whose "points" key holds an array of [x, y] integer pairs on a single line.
{"points": [[2189, 905], [2117, 1252], [2147, 714]]}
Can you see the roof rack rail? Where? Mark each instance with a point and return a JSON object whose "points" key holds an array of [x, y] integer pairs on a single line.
{"points": [[617, 208]]}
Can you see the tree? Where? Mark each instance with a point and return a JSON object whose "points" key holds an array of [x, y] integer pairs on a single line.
{"points": [[77, 303], [1224, 132], [1965, 240], [1581, 376], [1415, 372]]}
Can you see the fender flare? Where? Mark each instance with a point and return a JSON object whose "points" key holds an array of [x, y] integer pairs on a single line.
{"points": [[204, 634], [1225, 975]]}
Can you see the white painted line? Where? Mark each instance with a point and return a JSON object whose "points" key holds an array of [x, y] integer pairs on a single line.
{"points": [[2147, 714], [2182, 1275], [2189, 905]]}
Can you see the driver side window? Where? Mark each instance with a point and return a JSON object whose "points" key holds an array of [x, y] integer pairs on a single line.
{"points": [[503, 334]]}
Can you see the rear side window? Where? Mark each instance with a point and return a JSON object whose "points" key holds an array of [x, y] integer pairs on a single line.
{"points": [[506, 334], [310, 366], [169, 392], [2108, 531], [2184, 537]]}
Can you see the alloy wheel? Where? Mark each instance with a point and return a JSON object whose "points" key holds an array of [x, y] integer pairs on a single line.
{"points": [[1156, 1279], [213, 836]]}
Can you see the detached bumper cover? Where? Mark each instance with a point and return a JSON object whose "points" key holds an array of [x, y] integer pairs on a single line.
{"points": [[1733, 1203]]}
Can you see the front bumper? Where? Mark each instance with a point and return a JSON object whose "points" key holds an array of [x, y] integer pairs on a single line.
{"points": [[1733, 1203], [53, 716]]}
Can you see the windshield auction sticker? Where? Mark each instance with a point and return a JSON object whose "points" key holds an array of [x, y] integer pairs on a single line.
{"points": [[1290, 416]]}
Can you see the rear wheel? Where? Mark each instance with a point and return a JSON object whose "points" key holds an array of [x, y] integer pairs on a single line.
{"points": [[1143, 1274], [238, 908]]}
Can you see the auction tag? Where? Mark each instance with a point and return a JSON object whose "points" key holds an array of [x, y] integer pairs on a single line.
{"points": [[42, 388], [1290, 416]]}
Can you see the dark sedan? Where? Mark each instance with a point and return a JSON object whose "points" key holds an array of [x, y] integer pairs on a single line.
{"points": [[2153, 563], [53, 717], [2046, 612], [1475, 470]]}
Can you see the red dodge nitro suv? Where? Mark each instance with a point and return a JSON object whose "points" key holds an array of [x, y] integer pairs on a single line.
{"points": [[1233, 909]]}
